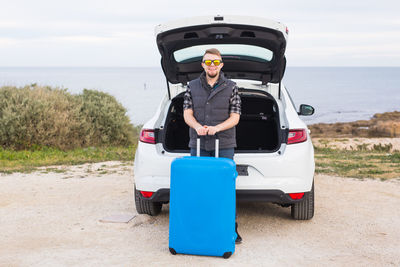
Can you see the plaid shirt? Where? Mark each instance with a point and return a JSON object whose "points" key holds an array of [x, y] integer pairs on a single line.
{"points": [[234, 102]]}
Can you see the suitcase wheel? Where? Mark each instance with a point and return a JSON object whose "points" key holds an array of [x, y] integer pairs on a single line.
{"points": [[226, 255], [173, 252]]}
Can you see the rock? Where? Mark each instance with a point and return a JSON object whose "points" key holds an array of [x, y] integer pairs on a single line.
{"points": [[380, 125], [118, 218]]}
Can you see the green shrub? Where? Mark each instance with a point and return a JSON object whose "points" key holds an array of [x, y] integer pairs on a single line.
{"points": [[382, 148], [105, 120], [362, 147], [37, 116]]}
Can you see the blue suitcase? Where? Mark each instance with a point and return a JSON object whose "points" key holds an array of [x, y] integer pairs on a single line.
{"points": [[202, 205]]}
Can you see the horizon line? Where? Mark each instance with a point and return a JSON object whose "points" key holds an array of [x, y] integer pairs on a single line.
{"points": [[297, 66]]}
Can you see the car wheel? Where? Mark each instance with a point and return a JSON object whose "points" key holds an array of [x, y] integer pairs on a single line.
{"points": [[304, 210], [145, 206]]}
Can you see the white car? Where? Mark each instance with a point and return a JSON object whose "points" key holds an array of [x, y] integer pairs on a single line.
{"points": [[274, 153]]}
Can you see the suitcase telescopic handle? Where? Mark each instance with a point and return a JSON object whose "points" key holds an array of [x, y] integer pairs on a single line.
{"points": [[216, 146]]}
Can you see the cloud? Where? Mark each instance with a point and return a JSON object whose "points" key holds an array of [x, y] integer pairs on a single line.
{"points": [[83, 39], [356, 49], [4, 42], [118, 29]]}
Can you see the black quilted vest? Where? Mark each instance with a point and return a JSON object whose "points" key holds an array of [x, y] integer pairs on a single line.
{"points": [[211, 107]]}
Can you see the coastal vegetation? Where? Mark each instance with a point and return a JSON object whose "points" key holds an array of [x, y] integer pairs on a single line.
{"points": [[361, 149], [379, 161], [42, 126], [33, 116]]}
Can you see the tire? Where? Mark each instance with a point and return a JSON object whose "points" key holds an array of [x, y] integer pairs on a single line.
{"points": [[304, 210], [145, 206]]}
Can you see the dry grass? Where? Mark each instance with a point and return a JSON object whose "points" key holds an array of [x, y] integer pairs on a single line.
{"points": [[27, 161], [360, 160]]}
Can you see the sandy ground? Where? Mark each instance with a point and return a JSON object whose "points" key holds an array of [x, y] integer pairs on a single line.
{"points": [[53, 219], [353, 143]]}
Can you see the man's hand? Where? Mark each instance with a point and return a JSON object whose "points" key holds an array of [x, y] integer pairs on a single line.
{"points": [[192, 122], [211, 130], [201, 130], [227, 124]]}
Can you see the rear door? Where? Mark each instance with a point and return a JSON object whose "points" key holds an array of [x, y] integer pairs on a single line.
{"points": [[251, 48]]}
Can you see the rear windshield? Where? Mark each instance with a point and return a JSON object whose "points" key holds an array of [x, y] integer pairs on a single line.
{"points": [[231, 51]]}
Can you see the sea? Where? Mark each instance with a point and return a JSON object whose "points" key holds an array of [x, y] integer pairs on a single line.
{"points": [[338, 94]]}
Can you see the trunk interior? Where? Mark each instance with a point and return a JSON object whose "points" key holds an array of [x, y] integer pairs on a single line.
{"points": [[258, 129]]}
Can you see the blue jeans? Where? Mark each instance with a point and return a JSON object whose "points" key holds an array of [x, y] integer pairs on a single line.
{"points": [[223, 153]]}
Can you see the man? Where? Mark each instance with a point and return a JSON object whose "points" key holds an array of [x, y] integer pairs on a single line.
{"points": [[212, 106]]}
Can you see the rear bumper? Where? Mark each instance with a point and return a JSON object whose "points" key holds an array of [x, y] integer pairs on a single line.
{"points": [[276, 196], [289, 172]]}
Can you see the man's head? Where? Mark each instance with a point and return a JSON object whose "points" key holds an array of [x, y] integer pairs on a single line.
{"points": [[212, 58]]}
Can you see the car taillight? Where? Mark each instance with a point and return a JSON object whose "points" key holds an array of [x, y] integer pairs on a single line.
{"points": [[146, 194], [148, 136], [296, 196], [297, 136]]}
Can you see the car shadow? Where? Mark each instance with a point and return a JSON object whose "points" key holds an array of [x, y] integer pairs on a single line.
{"points": [[262, 210], [248, 209]]}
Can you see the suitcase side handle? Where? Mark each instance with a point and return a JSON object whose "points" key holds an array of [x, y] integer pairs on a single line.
{"points": [[216, 146]]}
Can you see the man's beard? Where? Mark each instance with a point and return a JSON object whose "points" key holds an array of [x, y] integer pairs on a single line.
{"points": [[212, 76]]}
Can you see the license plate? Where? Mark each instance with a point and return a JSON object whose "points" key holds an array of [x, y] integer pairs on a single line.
{"points": [[242, 170]]}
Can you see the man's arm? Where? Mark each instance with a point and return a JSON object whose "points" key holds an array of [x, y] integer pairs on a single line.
{"points": [[192, 122], [188, 113]]}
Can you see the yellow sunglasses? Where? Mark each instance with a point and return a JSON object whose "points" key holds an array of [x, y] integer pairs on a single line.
{"points": [[216, 62]]}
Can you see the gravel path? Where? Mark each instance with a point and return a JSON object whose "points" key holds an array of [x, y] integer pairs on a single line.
{"points": [[52, 219]]}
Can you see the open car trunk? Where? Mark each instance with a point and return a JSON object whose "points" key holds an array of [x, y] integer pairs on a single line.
{"points": [[258, 129]]}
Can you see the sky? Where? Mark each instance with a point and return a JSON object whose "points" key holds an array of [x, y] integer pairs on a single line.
{"points": [[120, 33]]}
